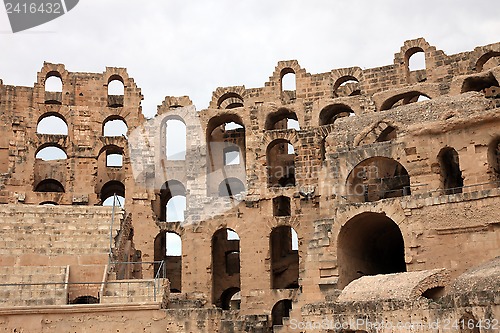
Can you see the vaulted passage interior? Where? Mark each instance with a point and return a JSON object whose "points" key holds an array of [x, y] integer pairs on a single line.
{"points": [[369, 244], [281, 310], [284, 258], [451, 175], [225, 268], [172, 202], [494, 160], [280, 163], [377, 178], [168, 248], [226, 152]]}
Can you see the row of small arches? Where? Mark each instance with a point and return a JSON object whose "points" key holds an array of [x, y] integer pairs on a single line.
{"points": [[55, 124], [54, 152], [53, 86], [347, 85], [111, 194]]}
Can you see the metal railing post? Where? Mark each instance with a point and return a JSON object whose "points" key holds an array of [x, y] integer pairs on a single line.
{"points": [[111, 228]]}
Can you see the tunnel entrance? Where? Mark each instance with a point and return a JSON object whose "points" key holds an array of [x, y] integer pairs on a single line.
{"points": [[369, 244]]}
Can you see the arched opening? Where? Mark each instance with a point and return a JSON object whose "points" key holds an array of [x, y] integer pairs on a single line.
{"points": [[281, 206], [434, 293], [451, 175], [51, 152], [49, 185], [281, 310], [230, 187], [416, 61], [172, 201], [85, 300], [53, 88], [175, 146], [48, 203], [225, 266], [225, 137], [108, 192], [288, 83], [116, 91], [403, 99], [388, 134], [231, 155], [114, 126], [346, 86], [114, 159], [284, 258], [377, 178], [479, 83], [488, 61], [369, 244], [176, 208], [416, 67], [468, 323], [332, 112], [231, 299], [53, 124], [280, 164], [380, 132], [282, 119], [168, 248], [53, 82], [230, 100], [494, 160], [322, 147]]}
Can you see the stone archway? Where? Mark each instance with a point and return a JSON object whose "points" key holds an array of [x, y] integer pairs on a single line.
{"points": [[369, 244]]}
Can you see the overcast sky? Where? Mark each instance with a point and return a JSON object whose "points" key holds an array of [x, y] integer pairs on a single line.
{"points": [[183, 47]]}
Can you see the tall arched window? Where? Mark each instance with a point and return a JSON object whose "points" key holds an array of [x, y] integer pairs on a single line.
{"points": [[494, 160], [288, 80], [53, 88], [226, 130], [175, 135], [168, 248], [280, 164], [415, 65], [53, 83], [451, 175], [116, 91], [173, 201], [225, 267], [284, 258]]}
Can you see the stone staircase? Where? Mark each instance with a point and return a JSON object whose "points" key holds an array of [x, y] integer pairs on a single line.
{"points": [[134, 291], [38, 235], [33, 285]]}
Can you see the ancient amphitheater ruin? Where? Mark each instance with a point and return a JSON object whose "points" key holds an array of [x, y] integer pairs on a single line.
{"points": [[360, 200]]}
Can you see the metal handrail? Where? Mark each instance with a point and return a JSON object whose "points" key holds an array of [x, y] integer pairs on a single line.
{"points": [[442, 191], [161, 268], [115, 200]]}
